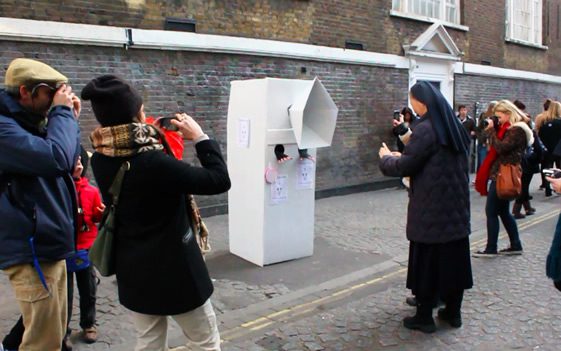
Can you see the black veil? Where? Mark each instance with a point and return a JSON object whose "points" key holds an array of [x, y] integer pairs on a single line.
{"points": [[449, 130]]}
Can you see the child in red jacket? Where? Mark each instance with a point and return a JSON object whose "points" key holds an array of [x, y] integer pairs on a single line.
{"points": [[90, 211]]}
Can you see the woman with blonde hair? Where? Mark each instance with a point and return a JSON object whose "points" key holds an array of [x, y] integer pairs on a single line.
{"points": [[549, 131], [508, 142]]}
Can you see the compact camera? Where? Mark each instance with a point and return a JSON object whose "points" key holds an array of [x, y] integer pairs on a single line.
{"points": [[396, 115], [551, 172], [165, 122]]}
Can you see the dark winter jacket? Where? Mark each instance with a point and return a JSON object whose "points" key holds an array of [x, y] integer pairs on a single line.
{"points": [[160, 270], [550, 133], [512, 147], [439, 204], [35, 181]]}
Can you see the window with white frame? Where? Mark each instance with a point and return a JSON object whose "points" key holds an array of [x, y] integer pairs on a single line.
{"points": [[524, 20], [444, 10]]}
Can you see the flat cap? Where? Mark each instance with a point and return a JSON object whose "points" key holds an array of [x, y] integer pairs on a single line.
{"points": [[22, 71]]}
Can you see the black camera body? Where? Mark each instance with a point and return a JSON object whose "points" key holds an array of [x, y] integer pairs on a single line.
{"points": [[551, 172], [495, 120], [396, 115], [165, 122]]}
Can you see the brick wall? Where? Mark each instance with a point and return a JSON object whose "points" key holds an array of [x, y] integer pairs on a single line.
{"points": [[317, 22], [471, 89], [198, 83]]}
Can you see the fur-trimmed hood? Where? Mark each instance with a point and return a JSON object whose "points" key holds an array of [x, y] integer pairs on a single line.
{"points": [[527, 130]]}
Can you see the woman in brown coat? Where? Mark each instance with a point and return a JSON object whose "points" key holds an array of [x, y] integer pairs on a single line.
{"points": [[508, 143]]}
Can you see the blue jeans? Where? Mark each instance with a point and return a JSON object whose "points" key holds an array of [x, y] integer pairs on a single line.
{"points": [[481, 154], [495, 208]]}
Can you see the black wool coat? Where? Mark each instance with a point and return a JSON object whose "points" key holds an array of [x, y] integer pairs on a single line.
{"points": [[439, 203], [157, 273]]}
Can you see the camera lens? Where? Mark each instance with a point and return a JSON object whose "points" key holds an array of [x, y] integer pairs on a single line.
{"points": [[485, 123]]}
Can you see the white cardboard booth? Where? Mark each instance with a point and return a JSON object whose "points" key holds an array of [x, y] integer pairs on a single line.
{"points": [[271, 204]]}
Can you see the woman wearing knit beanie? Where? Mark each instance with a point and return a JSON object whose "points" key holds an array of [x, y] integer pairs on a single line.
{"points": [[159, 268]]}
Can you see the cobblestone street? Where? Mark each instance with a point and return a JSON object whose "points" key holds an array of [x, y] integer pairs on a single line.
{"points": [[512, 306], [350, 294]]}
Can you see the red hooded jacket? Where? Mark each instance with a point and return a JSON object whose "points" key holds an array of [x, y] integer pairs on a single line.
{"points": [[89, 201]]}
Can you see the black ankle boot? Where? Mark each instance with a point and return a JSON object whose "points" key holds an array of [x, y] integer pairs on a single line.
{"points": [[454, 319], [422, 320]]}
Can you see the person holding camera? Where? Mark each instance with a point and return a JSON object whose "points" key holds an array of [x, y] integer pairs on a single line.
{"points": [[438, 215], [481, 136], [159, 267], [39, 139], [509, 136], [404, 119]]}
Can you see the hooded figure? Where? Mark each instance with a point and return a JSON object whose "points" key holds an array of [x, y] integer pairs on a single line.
{"points": [[438, 216]]}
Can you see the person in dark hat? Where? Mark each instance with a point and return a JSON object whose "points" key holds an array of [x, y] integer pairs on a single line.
{"points": [[159, 268], [39, 139], [438, 216]]}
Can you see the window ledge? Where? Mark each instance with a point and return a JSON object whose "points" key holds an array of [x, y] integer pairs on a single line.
{"points": [[428, 20], [526, 43]]}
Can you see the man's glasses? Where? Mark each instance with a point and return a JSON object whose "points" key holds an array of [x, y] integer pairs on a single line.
{"points": [[51, 92]]}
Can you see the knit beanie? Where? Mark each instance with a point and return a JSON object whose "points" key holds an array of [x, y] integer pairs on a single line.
{"points": [[114, 101]]}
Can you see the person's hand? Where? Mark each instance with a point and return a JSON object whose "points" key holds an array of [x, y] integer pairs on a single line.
{"points": [[384, 151], [555, 184], [101, 208], [396, 122], [63, 96], [472, 133], [490, 124], [188, 127], [396, 153], [77, 106]]}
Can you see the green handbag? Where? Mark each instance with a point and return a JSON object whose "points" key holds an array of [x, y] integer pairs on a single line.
{"points": [[101, 253]]}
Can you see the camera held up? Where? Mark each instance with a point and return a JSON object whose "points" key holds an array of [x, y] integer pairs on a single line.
{"points": [[495, 120]]}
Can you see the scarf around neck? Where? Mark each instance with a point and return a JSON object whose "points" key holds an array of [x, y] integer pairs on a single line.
{"points": [[484, 172], [127, 139]]}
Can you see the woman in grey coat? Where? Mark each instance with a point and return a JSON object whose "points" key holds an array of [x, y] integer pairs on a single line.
{"points": [[438, 218]]}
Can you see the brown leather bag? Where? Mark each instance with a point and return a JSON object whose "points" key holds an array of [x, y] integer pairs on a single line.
{"points": [[509, 181]]}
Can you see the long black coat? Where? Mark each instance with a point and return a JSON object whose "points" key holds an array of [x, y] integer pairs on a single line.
{"points": [[156, 272], [439, 204]]}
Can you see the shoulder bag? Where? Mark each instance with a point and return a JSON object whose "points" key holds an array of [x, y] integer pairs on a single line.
{"points": [[509, 181], [102, 253]]}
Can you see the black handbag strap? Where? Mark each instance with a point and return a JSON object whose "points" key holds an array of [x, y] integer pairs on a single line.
{"points": [[115, 188]]}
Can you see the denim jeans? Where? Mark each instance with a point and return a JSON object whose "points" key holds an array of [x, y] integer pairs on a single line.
{"points": [[494, 209], [481, 154]]}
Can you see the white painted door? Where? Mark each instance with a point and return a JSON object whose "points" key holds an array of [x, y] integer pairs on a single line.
{"points": [[438, 72]]}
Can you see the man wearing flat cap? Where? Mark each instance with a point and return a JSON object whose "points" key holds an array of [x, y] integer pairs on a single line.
{"points": [[39, 139]]}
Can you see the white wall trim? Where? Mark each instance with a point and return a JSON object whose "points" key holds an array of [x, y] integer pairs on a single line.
{"points": [[85, 34], [491, 71], [60, 32]]}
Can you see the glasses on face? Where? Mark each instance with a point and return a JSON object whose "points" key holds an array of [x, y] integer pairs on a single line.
{"points": [[52, 89]]}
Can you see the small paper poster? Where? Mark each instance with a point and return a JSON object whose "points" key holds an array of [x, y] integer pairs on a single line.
{"points": [[243, 132], [306, 174], [279, 190]]}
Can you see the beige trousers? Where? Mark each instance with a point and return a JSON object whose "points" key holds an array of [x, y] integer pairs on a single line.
{"points": [[199, 327], [44, 314]]}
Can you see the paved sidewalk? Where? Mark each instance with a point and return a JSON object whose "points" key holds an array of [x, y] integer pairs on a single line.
{"points": [[357, 236]]}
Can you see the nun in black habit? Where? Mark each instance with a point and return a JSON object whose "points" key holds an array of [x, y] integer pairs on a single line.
{"points": [[438, 216]]}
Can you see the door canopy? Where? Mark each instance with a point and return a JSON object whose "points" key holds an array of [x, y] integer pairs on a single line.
{"points": [[435, 42]]}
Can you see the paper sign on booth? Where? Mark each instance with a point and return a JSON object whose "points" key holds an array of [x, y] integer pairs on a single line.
{"points": [[279, 190], [243, 132], [306, 174]]}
